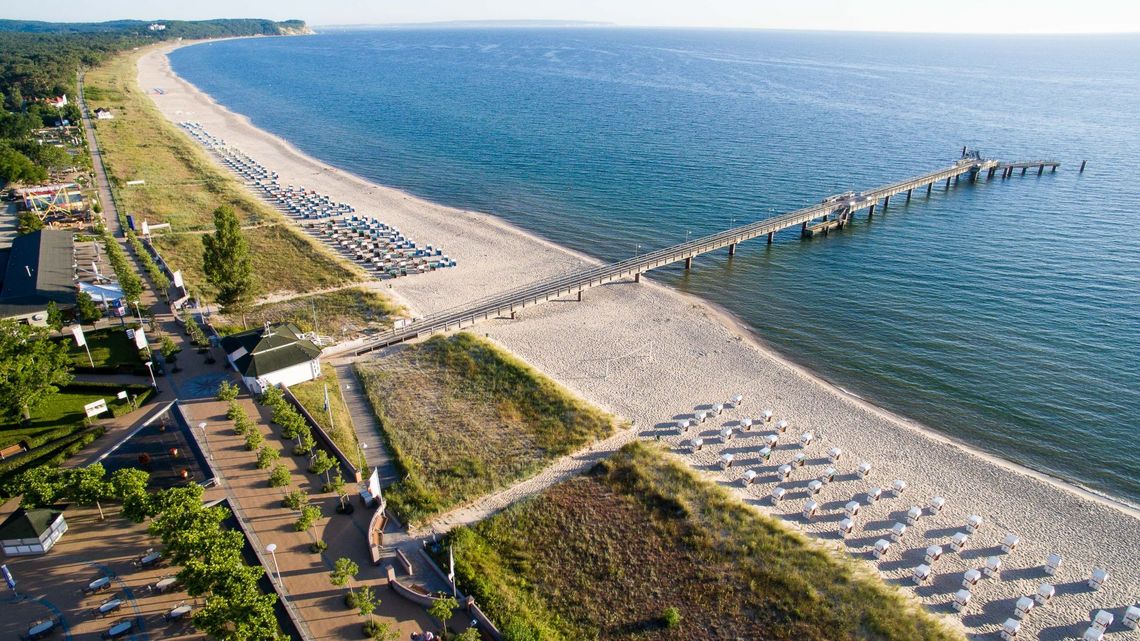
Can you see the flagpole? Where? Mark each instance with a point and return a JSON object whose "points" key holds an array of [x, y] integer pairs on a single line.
{"points": [[451, 576]]}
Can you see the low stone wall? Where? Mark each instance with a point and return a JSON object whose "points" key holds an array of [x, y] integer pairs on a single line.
{"points": [[325, 441], [376, 536], [423, 600]]}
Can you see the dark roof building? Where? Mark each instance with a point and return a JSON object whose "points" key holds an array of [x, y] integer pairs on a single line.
{"points": [[31, 531], [40, 268], [273, 355]]}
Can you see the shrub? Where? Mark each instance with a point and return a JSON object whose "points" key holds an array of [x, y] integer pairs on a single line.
{"points": [[227, 391], [295, 500], [309, 515], [305, 447], [318, 546], [253, 439], [244, 424], [279, 477], [272, 397], [671, 617], [382, 631], [266, 457]]}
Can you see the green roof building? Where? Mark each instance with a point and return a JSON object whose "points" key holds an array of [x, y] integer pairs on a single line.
{"points": [[273, 355], [28, 532]]}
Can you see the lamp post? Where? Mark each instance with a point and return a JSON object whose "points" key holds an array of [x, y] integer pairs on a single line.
{"points": [[137, 312], [272, 550], [150, 368], [205, 439]]}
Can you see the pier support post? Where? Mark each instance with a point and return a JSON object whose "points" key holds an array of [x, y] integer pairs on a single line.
{"points": [[770, 235], [1082, 166], [947, 184], [957, 179], [908, 194], [990, 175], [579, 295], [689, 262], [1054, 169], [637, 277], [886, 202], [512, 314], [1041, 170], [963, 152], [929, 186], [871, 211], [1023, 170], [732, 249]]}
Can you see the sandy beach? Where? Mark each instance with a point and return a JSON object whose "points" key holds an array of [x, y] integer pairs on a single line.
{"points": [[653, 355]]}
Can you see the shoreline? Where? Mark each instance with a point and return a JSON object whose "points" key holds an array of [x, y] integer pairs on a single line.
{"points": [[529, 342]]}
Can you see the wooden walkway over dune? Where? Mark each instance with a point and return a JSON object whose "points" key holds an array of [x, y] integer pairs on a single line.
{"points": [[832, 212]]}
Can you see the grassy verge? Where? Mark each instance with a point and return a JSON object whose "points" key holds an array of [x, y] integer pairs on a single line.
{"points": [[183, 187], [110, 350], [312, 396], [345, 312], [53, 453], [464, 418], [607, 555], [63, 413]]}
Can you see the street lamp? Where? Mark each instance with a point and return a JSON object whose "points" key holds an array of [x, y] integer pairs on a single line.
{"points": [[205, 439], [137, 312], [272, 550], [150, 368]]}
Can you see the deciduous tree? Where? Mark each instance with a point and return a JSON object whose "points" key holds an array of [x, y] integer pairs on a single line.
{"points": [[32, 367], [88, 485], [129, 486]]}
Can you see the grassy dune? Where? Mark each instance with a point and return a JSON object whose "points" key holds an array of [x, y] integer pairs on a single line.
{"points": [[464, 418], [183, 187], [604, 556]]}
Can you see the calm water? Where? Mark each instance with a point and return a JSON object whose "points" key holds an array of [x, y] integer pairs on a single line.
{"points": [[1006, 314]]}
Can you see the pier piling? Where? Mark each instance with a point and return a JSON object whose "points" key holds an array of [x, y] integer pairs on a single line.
{"points": [[689, 262], [908, 194], [732, 249], [929, 186], [1082, 167], [871, 211], [1040, 169], [771, 234]]}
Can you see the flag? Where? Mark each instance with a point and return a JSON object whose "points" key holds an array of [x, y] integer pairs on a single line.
{"points": [[328, 407], [77, 332], [8, 578], [140, 339], [451, 562]]}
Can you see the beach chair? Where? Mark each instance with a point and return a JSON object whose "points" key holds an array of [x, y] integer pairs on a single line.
{"points": [[1102, 620], [827, 476], [1131, 617], [873, 495], [933, 553], [698, 443], [1053, 563], [1044, 594], [936, 504], [845, 527], [746, 424], [750, 477], [718, 408], [970, 578], [882, 546], [834, 454], [898, 487], [701, 416], [851, 509], [1098, 578], [782, 426], [962, 599], [898, 531], [778, 495], [798, 460], [1023, 607], [726, 434], [992, 566], [683, 425], [735, 400], [765, 453], [974, 523], [766, 415], [959, 541], [784, 471], [921, 574], [1093, 634], [1009, 543], [863, 470], [806, 439], [771, 440], [913, 515], [726, 461], [1009, 629], [810, 508], [814, 486]]}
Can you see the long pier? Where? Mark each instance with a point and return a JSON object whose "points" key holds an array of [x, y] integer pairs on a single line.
{"points": [[833, 211]]}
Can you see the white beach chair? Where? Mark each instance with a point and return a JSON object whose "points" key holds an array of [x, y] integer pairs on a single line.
{"points": [[898, 531], [750, 477], [827, 476], [1053, 563], [921, 574], [1009, 629], [933, 553], [864, 470], [735, 400], [806, 439], [815, 486], [845, 527], [974, 523], [701, 416], [771, 440], [784, 471], [834, 454], [1044, 594], [959, 541], [1102, 620], [1098, 579], [962, 599], [1023, 607], [726, 461], [810, 508], [726, 434], [1093, 634], [898, 487], [936, 504], [913, 515], [765, 453], [683, 425], [718, 408], [882, 546], [873, 495], [798, 460], [851, 509], [698, 443], [1009, 543], [778, 495], [766, 415], [746, 424], [1131, 617], [781, 426], [992, 566], [970, 578]]}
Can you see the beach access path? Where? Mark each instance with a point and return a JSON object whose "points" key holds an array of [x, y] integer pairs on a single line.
{"points": [[651, 355]]}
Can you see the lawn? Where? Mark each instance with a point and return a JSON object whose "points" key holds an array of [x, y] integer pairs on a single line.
{"points": [[464, 418], [312, 396], [110, 350], [606, 555], [183, 187]]}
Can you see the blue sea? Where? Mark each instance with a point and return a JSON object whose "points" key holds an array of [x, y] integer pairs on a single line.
{"points": [[1005, 314]]}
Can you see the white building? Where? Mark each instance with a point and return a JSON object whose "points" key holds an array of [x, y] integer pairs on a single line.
{"points": [[31, 531], [274, 355], [156, 26], [104, 114]]}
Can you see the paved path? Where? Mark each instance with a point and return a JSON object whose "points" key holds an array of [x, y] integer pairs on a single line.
{"points": [[365, 424]]}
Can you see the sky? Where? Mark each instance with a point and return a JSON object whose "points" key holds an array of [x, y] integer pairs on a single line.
{"points": [[957, 16]]}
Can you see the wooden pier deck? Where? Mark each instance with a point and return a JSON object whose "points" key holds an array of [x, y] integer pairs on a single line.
{"points": [[832, 212]]}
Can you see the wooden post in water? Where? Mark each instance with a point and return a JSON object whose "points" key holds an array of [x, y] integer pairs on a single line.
{"points": [[689, 262], [732, 249], [1082, 167], [908, 194], [1040, 170], [1023, 170], [886, 202], [947, 184], [770, 235], [929, 186], [871, 211]]}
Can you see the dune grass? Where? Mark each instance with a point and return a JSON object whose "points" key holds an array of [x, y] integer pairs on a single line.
{"points": [[311, 394], [464, 418], [605, 556], [341, 313], [183, 187]]}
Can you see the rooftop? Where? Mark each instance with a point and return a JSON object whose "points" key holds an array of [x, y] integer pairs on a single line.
{"points": [[28, 524], [261, 351], [39, 269]]}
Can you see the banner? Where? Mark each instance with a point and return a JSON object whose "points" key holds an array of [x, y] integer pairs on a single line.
{"points": [[8, 578], [374, 484], [140, 339], [178, 278], [77, 332], [96, 408]]}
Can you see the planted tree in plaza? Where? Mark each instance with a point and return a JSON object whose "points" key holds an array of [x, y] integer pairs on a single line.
{"points": [[227, 262], [366, 603], [245, 615], [279, 477], [129, 487], [343, 572], [40, 486], [305, 442], [309, 515], [88, 486], [266, 457], [54, 317], [470, 634], [32, 368], [321, 463], [227, 391], [442, 609]]}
